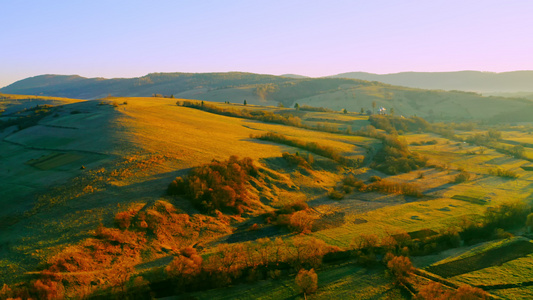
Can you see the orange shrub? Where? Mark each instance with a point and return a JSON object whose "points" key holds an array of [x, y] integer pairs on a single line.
{"points": [[218, 185]]}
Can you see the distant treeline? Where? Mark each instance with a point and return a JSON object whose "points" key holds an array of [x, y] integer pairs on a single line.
{"points": [[254, 115], [350, 183], [313, 108], [264, 116], [313, 147]]}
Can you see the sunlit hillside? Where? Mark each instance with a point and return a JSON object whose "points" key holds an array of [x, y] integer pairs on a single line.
{"points": [[333, 93], [158, 197]]}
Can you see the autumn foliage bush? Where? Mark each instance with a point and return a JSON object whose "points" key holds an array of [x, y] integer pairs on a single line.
{"points": [[400, 268], [307, 281], [217, 185], [395, 157], [435, 291], [305, 161], [294, 216]]}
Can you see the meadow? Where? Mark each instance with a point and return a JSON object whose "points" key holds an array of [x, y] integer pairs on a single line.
{"points": [[86, 194]]}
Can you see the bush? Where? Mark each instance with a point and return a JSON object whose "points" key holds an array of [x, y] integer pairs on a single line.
{"points": [[301, 221], [298, 160], [395, 157], [123, 219], [336, 195], [390, 187], [462, 177], [307, 281], [503, 173], [218, 185], [374, 178], [400, 267]]}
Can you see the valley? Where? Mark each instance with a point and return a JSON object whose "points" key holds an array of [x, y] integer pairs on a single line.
{"points": [[86, 212]]}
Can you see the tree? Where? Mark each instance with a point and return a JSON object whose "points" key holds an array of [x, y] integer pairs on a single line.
{"points": [[518, 151], [400, 267], [245, 102], [301, 221], [307, 281], [373, 107], [362, 110], [392, 111], [344, 110], [297, 106], [529, 222]]}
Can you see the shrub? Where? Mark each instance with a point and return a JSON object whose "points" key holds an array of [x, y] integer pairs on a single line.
{"points": [[187, 263], [350, 180], [400, 267], [395, 157], [503, 173], [301, 221], [374, 178], [218, 185], [47, 289], [529, 222], [123, 219], [463, 176], [298, 160], [283, 216], [390, 187], [336, 195], [307, 281]]}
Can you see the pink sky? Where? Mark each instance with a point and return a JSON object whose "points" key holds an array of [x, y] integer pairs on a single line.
{"points": [[313, 38]]}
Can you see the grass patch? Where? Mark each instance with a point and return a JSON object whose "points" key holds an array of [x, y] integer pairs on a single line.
{"points": [[489, 258], [53, 160]]}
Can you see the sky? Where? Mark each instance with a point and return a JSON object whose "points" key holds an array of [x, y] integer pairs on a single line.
{"points": [[115, 38]]}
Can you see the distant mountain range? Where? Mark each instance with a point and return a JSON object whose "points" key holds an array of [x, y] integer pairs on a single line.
{"points": [[337, 92], [474, 81]]}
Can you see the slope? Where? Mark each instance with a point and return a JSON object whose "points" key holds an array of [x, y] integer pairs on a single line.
{"points": [[475, 81], [333, 93]]}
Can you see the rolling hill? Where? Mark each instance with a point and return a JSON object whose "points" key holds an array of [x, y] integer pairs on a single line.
{"points": [[474, 81], [86, 211], [235, 87]]}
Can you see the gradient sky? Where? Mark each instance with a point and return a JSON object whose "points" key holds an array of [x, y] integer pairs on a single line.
{"points": [[115, 38]]}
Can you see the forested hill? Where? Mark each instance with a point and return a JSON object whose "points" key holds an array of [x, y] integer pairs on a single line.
{"points": [[475, 81], [333, 93]]}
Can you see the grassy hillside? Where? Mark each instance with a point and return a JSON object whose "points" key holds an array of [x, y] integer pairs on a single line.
{"points": [[332, 93], [86, 210]]}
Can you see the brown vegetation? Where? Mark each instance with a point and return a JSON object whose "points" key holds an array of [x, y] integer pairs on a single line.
{"points": [[307, 281], [435, 291], [218, 185]]}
